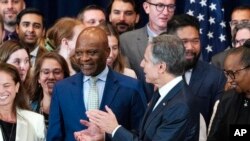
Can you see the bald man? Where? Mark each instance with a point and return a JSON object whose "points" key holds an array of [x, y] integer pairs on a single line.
{"points": [[124, 95]]}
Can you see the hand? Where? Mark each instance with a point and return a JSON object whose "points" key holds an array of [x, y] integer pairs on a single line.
{"points": [[92, 133], [105, 120]]}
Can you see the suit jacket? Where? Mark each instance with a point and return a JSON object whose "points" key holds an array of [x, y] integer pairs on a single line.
{"points": [[133, 45], [207, 84], [171, 120], [30, 126], [219, 59], [124, 95]]}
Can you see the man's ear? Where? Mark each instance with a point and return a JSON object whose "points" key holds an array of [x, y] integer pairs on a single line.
{"points": [[24, 5], [17, 29], [137, 18], [146, 7], [162, 67]]}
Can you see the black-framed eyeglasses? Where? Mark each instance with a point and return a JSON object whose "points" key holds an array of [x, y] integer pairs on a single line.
{"points": [[231, 73], [240, 42], [160, 7], [233, 23]]}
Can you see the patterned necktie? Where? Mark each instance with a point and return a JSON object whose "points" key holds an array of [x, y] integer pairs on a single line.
{"points": [[93, 97]]}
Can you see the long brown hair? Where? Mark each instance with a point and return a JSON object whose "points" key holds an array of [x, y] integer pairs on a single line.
{"points": [[119, 63], [35, 88]]}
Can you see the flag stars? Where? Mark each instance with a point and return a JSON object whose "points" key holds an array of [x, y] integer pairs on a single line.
{"points": [[190, 12], [209, 48], [203, 3], [210, 35], [211, 20], [192, 1], [222, 24], [200, 17], [212, 6], [222, 37], [201, 31]]}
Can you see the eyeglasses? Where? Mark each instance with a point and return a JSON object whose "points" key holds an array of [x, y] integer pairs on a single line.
{"points": [[160, 7], [238, 43], [55, 72], [233, 23], [231, 73]]}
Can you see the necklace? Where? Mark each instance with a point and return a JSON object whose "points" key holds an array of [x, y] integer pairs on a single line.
{"points": [[245, 103]]}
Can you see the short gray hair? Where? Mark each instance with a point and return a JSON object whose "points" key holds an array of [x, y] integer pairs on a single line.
{"points": [[169, 49]]}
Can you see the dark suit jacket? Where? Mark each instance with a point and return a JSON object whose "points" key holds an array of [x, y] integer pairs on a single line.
{"points": [[133, 45], [122, 94], [218, 59], [171, 120], [207, 84]]}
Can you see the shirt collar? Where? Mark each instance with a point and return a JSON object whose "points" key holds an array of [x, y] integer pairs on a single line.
{"points": [[34, 52], [150, 32], [164, 90], [102, 76]]}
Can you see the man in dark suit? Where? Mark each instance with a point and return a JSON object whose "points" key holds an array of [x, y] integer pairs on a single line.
{"points": [[205, 81], [70, 100], [169, 116], [133, 43]]}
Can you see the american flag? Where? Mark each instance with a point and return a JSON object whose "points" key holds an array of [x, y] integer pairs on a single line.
{"points": [[210, 14]]}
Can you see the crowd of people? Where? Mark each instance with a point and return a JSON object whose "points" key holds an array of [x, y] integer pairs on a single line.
{"points": [[94, 77]]}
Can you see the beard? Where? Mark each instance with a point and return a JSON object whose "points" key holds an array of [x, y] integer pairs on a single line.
{"points": [[191, 63], [123, 27]]}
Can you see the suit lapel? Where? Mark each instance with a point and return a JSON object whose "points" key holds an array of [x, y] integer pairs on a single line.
{"points": [[142, 40], [21, 129], [77, 92], [197, 77], [111, 86], [162, 104]]}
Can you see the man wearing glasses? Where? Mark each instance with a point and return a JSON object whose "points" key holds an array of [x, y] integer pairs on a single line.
{"points": [[134, 43], [240, 19]]}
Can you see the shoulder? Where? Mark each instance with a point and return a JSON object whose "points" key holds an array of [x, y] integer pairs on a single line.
{"points": [[125, 81], [208, 67], [71, 79], [129, 72], [30, 116], [34, 122], [132, 34]]}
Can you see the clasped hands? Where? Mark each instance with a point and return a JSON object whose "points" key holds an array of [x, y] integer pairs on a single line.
{"points": [[99, 123]]}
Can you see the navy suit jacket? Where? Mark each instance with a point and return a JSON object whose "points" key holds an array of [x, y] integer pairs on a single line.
{"points": [[171, 120], [207, 85], [122, 94]]}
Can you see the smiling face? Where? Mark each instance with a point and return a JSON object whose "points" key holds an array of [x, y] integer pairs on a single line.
{"points": [[30, 29], [114, 50], [191, 41], [20, 59], [241, 81], [158, 20], [92, 51], [51, 71], [123, 16], [8, 89], [93, 17], [9, 10]]}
